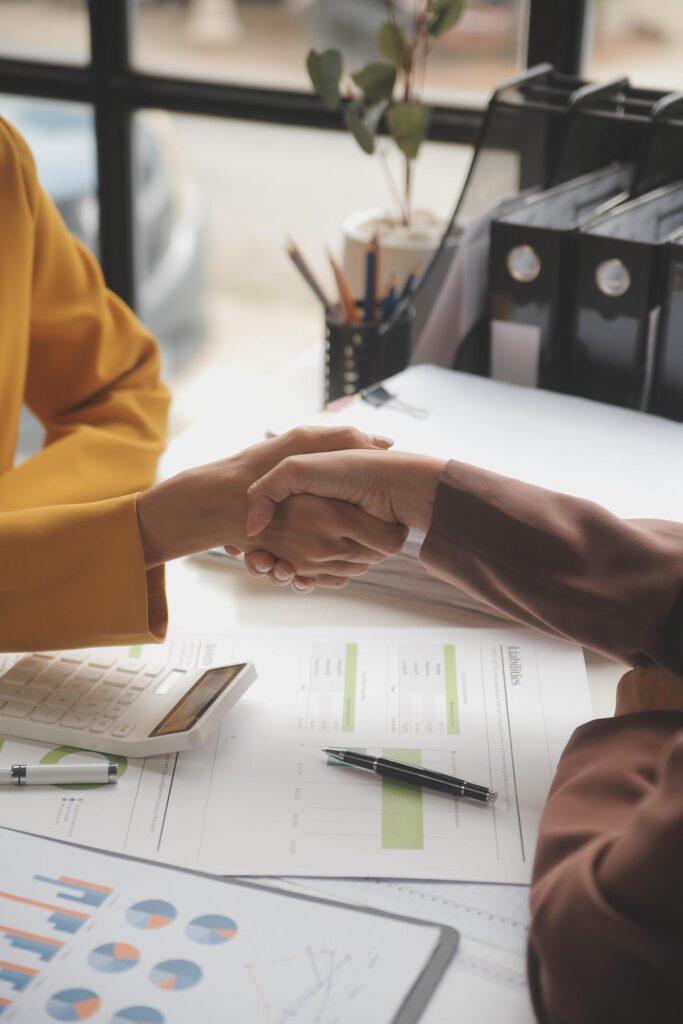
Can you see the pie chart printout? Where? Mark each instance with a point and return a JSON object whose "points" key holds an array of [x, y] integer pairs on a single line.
{"points": [[151, 914], [73, 1004], [175, 975], [138, 1015], [114, 957], [210, 929]]}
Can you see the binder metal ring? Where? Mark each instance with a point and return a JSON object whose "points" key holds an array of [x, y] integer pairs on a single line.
{"points": [[612, 278], [524, 264]]}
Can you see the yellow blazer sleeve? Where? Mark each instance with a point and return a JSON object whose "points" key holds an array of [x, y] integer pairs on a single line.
{"points": [[74, 576], [92, 376], [71, 563]]}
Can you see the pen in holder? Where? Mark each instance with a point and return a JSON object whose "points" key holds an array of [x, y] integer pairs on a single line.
{"points": [[360, 354]]}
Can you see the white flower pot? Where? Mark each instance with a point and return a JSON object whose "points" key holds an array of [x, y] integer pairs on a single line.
{"points": [[402, 248]]}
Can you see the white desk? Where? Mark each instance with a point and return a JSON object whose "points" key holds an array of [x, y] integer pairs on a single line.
{"points": [[241, 408]]}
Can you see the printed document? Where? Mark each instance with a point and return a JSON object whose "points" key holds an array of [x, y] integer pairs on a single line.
{"points": [[259, 798], [85, 935]]}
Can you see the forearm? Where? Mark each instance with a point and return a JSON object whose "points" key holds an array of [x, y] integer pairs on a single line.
{"points": [[74, 576], [560, 564], [606, 891]]}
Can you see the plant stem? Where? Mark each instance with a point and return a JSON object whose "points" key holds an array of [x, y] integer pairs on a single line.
{"points": [[393, 188], [409, 188]]}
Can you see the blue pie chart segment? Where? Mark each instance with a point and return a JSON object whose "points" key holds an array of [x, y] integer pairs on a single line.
{"points": [[114, 957], [210, 929], [73, 1004], [151, 914], [138, 1015], [175, 975]]}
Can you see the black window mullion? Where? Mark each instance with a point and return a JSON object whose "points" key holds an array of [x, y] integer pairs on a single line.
{"points": [[557, 33], [109, 21]]}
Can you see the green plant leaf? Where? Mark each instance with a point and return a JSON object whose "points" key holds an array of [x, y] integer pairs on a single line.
{"points": [[408, 124], [325, 70], [361, 131], [393, 45], [443, 14], [376, 80]]}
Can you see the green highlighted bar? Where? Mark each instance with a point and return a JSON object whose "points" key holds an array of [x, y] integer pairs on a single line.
{"points": [[135, 652], [402, 824], [451, 680], [350, 671]]}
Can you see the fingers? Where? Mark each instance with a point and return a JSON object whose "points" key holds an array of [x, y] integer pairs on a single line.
{"points": [[371, 534], [316, 474], [308, 440], [259, 563]]}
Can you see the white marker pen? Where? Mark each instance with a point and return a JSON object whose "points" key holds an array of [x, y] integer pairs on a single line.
{"points": [[57, 774]]}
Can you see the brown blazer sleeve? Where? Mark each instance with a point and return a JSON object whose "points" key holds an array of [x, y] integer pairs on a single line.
{"points": [[606, 945], [560, 564]]}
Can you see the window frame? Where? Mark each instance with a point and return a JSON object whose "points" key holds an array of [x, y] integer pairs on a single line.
{"points": [[116, 90]]}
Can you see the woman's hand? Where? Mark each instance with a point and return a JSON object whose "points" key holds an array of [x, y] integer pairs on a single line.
{"points": [[649, 688], [206, 507]]}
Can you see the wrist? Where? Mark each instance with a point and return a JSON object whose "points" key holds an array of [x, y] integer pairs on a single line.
{"points": [[193, 511], [416, 478]]}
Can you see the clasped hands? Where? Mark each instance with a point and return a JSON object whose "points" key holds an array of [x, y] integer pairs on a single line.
{"points": [[313, 507]]}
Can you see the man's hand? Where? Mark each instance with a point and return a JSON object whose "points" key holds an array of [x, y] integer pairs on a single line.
{"points": [[649, 688], [397, 489]]}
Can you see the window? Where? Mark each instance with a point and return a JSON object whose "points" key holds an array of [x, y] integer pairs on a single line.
{"points": [[44, 30], [643, 42]]}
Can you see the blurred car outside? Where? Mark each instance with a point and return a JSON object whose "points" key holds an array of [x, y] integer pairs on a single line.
{"points": [[168, 212]]}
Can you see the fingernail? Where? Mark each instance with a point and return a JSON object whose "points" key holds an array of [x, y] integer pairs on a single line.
{"points": [[281, 575], [298, 585], [379, 441], [261, 566]]}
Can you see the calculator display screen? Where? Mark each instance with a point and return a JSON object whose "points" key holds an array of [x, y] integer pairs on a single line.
{"points": [[197, 700]]}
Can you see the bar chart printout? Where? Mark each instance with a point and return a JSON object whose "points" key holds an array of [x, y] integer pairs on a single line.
{"points": [[129, 956]]}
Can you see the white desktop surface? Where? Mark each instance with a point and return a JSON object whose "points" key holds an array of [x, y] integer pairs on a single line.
{"points": [[230, 411]]}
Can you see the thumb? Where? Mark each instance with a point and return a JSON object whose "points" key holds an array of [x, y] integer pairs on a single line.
{"points": [[299, 474]]}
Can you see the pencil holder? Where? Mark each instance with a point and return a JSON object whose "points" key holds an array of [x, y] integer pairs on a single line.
{"points": [[358, 355]]}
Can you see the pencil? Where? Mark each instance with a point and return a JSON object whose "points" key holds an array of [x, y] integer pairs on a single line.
{"points": [[346, 299], [303, 268]]}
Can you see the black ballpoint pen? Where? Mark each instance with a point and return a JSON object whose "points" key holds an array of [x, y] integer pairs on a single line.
{"points": [[412, 774]]}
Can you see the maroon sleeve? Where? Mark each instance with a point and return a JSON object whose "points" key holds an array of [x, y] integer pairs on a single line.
{"points": [[606, 944], [560, 564]]}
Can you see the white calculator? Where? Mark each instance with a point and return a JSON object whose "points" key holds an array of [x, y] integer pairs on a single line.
{"points": [[98, 701]]}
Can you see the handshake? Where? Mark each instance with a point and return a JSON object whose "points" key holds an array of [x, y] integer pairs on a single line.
{"points": [[312, 507]]}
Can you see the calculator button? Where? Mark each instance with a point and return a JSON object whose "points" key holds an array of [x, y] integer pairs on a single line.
{"points": [[123, 728], [102, 660], [90, 674], [153, 670], [75, 657], [77, 686], [32, 692], [20, 673], [18, 709], [116, 678], [128, 697], [129, 665], [106, 693], [116, 709], [75, 719], [10, 690], [46, 715], [101, 724], [91, 705], [56, 673], [140, 683], [34, 663], [60, 699]]}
